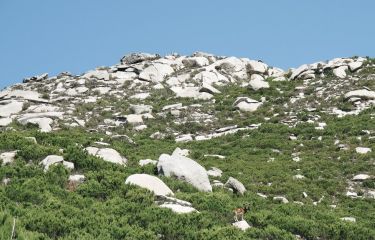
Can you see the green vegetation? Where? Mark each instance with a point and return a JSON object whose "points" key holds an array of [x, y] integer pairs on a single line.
{"points": [[103, 207]]}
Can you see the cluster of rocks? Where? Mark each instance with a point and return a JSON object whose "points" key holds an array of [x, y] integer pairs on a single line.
{"points": [[51, 102]]}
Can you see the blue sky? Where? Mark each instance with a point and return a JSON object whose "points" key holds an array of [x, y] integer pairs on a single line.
{"points": [[77, 35]]}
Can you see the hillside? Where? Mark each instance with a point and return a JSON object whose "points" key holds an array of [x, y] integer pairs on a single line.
{"points": [[167, 147]]}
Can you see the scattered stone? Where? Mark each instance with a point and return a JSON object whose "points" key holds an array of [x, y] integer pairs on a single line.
{"points": [[348, 219], [362, 150], [280, 199], [77, 178]]}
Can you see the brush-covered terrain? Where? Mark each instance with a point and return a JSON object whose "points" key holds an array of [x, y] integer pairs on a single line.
{"points": [[167, 147]]}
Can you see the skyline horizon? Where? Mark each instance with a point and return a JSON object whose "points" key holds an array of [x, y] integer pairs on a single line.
{"points": [[76, 36]]}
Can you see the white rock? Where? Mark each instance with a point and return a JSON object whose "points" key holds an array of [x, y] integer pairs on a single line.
{"points": [[232, 65], [363, 150], [134, 119], [214, 155], [139, 109], [348, 219], [10, 108], [210, 78], [184, 138], [178, 208], [140, 96], [43, 123], [214, 172], [257, 66], [361, 177], [298, 71], [191, 92], [195, 61], [243, 225], [353, 66], [22, 94], [185, 169], [235, 185], [99, 74], [5, 122], [156, 72], [257, 84], [362, 93], [247, 104], [340, 71], [138, 57], [8, 157], [298, 177], [54, 159], [144, 162], [262, 195], [351, 194], [280, 199], [149, 182], [107, 154], [77, 178], [181, 152]]}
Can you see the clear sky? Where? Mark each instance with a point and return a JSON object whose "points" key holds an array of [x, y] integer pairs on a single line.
{"points": [[38, 36]]}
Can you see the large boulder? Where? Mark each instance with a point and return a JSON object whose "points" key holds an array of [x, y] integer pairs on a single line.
{"points": [[257, 84], [156, 72], [107, 154], [247, 104], [236, 185], [152, 183], [184, 169], [340, 72]]}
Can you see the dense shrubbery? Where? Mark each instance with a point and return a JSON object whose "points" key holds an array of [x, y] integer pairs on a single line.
{"points": [[103, 207]]}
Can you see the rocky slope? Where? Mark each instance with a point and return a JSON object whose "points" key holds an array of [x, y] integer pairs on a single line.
{"points": [[253, 133]]}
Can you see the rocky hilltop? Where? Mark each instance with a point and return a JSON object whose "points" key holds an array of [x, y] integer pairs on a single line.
{"points": [[188, 139]]}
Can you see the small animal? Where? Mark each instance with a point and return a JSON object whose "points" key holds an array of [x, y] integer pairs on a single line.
{"points": [[239, 212]]}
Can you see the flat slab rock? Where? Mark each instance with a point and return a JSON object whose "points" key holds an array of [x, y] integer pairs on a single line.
{"points": [[152, 183], [107, 154]]}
